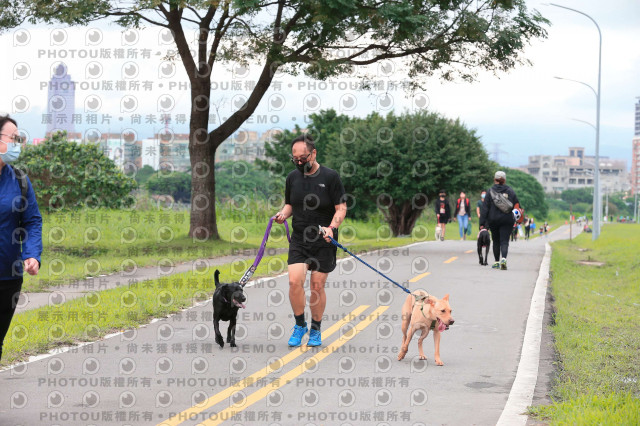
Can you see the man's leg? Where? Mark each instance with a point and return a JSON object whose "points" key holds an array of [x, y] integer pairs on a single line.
{"points": [[297, 275], [318, 298]]}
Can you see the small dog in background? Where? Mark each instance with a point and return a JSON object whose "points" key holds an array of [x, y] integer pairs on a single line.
{"points": [[438, 232], [227, 299], [422, 311], [484, 241]]}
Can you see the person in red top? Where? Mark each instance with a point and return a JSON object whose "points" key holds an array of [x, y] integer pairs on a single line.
{"points": [[462, 215]]}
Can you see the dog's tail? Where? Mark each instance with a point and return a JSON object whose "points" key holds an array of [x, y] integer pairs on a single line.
{"points": [[217, 281]]}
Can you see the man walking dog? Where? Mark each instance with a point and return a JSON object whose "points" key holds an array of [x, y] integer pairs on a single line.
{"points": [[314, 196]]}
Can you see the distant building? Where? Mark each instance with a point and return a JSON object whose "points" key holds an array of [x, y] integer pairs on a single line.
{"points": [[246, 146], [560, 172], [60, 102]]}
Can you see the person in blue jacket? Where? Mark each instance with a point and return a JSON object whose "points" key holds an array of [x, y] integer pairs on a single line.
{"points": [[20, 225]]}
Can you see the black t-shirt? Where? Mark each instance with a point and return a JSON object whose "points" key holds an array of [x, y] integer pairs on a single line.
{"points": [[313, 199]]}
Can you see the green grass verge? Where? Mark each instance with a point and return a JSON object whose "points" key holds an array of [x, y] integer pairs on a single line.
{"points": [[596, 329], [100, 313], [90, 243]]}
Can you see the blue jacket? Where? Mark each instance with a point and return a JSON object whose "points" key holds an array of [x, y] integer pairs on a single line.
{"points": [[12, 250]]}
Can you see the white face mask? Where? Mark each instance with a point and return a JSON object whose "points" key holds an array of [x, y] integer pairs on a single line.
{"points": [[12, 154]]}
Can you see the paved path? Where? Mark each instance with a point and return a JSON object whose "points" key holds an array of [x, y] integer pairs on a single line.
{"points": [[171, 372]]}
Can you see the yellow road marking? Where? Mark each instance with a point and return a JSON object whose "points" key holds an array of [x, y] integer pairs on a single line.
{"points": [[451, 260], [469, 251], [294, 372], [248, 381], [419, 277]]}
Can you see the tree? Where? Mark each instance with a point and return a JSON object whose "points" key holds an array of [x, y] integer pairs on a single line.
{"points": [[530, 192], [578, 195], [323, 39], [176, 184], [65, 174], [144, 174], [398, 163], [246, 179]]}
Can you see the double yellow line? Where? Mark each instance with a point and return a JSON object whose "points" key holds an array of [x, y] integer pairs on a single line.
{"points": [[247, 401]]}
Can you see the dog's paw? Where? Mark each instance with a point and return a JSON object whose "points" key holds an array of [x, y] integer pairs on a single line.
{"points": [[233, 344], [402, 354], [220, 341]]}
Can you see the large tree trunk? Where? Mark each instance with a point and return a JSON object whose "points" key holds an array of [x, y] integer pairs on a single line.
{"points": [[402, 218], [202, 149]]}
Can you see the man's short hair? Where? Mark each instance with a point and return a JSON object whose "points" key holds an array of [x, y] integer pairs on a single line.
{"points": [[307, 139]]}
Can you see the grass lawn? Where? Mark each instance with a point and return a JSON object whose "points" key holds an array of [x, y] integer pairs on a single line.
{"points": [[100, 313], [596, 329]]}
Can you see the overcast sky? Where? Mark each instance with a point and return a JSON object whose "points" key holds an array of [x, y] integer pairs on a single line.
{"points": [[517, 114]]}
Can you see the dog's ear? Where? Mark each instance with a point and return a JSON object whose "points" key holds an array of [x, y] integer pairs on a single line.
{"points": [[430, 301], [446, 297], [217, 281]]}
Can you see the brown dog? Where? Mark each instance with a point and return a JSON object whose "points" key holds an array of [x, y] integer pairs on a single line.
{"points": [[424, 312]]}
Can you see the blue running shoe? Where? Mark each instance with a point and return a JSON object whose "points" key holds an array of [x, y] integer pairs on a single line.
{"points": [[298, 333], [315, 338]]}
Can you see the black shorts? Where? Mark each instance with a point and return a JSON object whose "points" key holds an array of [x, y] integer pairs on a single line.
{"points": [[443, 219], [321, 258]]}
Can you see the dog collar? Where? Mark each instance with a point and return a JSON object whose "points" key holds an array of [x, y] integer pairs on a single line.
{"points": [[433, 325]]}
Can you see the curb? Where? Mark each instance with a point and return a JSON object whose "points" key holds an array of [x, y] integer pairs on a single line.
{"points": [[522, 390]]}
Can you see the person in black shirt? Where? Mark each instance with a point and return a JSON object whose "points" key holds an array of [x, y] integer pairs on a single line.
{"points": [[315, 197], [443, 212], [499, 223]]}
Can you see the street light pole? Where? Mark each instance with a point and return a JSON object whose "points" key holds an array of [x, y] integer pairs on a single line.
{"points": [[596, 180]]}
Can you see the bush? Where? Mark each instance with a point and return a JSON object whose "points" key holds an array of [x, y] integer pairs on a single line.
{"points": [[68, 175]]}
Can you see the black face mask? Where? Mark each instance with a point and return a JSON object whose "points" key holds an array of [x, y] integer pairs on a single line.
{"points": [[304, 167]]}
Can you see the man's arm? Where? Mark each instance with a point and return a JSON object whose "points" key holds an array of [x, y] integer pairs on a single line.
{"points": [[338, 217], [284, 214]]}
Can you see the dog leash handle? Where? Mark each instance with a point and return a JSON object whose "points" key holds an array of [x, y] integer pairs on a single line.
{"points": [[249, 272]]}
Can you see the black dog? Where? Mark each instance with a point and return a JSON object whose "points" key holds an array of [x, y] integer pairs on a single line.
{"points": [[227, 299], [484, 240]]}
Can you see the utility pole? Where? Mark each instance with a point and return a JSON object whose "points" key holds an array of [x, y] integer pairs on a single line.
{"points": [[570, 222]]}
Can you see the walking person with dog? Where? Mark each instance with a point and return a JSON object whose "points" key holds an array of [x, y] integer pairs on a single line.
{"points": [[314, 196], [463, 215], [20, 225], [443, 212], [500, 211]]}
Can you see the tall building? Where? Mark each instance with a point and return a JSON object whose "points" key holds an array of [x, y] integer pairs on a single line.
{"points": [[60, 101], [559, 172], [635, 154], [245, 145]]}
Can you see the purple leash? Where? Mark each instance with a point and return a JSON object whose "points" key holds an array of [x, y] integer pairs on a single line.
{"points": [[247, 275]]}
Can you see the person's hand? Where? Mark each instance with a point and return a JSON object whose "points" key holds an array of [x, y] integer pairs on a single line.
{"points": [[327, 232], [31, 266], [279, 218]]}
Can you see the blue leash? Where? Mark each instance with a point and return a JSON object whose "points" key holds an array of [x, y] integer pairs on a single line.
{"points": [[337, 244]]}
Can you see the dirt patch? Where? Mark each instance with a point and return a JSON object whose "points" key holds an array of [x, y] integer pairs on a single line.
{"points": [[590, 263], [582, 249]]}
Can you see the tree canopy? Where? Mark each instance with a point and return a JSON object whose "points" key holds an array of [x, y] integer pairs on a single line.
{"points": [[322, 39], [529, 191], [396, 163]]}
